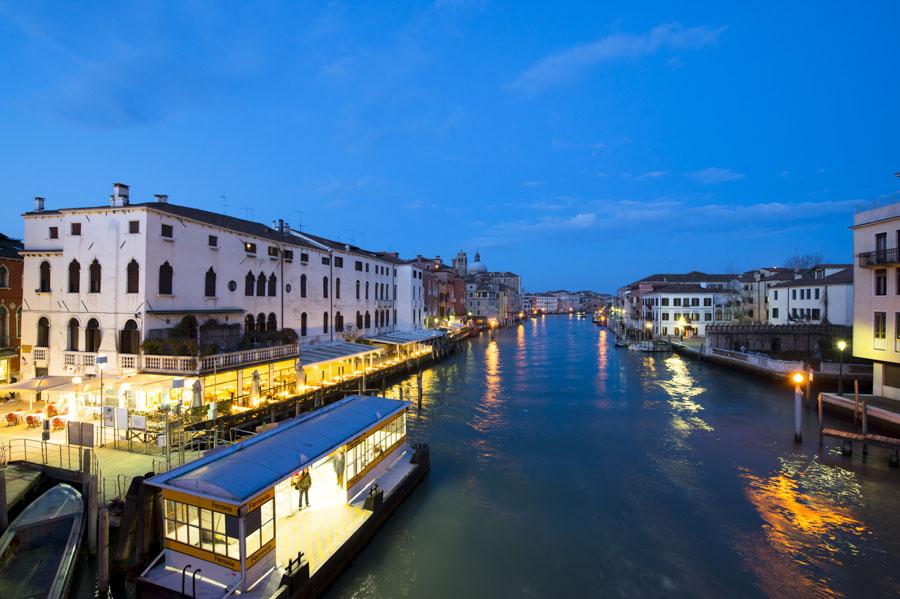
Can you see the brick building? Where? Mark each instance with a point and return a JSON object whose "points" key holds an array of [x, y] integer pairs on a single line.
{"points": [[10, 307]]}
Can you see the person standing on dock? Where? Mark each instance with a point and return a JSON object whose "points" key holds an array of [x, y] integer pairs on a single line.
{"points": [[338, 462], [303, 485]]}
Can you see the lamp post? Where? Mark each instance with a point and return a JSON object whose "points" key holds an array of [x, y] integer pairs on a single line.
{"points": [[649, 326], [798, 380], [841, 345]]}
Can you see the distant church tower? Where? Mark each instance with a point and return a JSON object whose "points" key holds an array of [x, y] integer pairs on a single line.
{"points": [[461, 263]]}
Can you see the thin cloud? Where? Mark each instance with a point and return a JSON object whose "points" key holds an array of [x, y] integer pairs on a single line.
{"points": [[531, 183], [646, 176], [565, 66], [712, 175]]}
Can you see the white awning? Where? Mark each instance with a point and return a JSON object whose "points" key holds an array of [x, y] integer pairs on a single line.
{"points": [[406, 337], [318, 353]]}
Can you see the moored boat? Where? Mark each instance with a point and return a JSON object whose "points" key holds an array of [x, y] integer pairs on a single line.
{"points": [[39, 550]]}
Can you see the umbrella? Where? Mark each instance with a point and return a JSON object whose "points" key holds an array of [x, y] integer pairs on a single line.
{"points": [[254, 387], [198, 395]]}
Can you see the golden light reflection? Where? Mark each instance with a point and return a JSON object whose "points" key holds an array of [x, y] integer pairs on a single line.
{"points": [[809, 524], [682, 388], [489, 419], [602, 361]]}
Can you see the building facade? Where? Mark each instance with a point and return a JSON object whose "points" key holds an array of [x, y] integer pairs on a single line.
{"points": [[822, 295], [11, 264], [876, 295]]}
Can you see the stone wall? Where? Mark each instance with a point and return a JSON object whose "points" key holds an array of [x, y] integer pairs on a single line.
{"points": [[794, 341]]}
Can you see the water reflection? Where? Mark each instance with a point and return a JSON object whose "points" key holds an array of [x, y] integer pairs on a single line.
{"points": [[809, 524], [489, 419], [602, 363], [682, 389]]}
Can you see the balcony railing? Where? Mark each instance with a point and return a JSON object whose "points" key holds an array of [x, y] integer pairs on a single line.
{"points": [[885, 257], [39, 353], [207, 364], [79, 358]]}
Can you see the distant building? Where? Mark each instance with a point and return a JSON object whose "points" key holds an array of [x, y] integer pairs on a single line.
{"points": [[824, 294], [754, 287], [687, 309], [490, 295], [876, 303]]}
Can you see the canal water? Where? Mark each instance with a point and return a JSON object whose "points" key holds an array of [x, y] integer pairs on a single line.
{"points": [[562, 466]]}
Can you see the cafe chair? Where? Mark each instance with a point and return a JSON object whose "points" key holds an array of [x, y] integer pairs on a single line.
{"points": [[11, 420]]}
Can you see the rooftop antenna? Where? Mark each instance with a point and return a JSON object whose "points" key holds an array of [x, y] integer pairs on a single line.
{"points": [[299, 220], [224, 205], [248, 211]]}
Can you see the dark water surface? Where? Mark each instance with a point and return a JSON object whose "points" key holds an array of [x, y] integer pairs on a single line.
{"points": [[563, 466]]}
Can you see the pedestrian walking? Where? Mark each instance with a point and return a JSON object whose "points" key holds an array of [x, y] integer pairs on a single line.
{"points": [[304, 482], [339, 462]]}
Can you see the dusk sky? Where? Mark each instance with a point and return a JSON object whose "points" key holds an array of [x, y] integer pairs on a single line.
{"points": [[582, 146]]}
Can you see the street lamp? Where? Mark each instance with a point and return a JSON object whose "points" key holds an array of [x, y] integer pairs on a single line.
{"points": [[841, 345], [798, 379], [649, 326]]}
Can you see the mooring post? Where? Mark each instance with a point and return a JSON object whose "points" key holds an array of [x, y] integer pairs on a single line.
{"points": [[894, 459], [89, 488], [103, 554], [4, 514], [809, 378], [865, 428], [855, 402], [821, 423], [401, 392], [798, 414]]}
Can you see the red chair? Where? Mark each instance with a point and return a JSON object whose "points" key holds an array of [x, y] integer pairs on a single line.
{"points": [[32, 421], [11, 420], [51, 410], [58, 424]]}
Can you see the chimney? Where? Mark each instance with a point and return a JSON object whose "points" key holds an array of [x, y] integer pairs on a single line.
{"points": [[38, 204], [160, 197], [119, 196]]}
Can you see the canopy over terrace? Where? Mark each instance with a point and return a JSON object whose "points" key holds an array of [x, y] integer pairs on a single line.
{"points": [[406, 344], [333, 361], [242, 471], [319, 353]]}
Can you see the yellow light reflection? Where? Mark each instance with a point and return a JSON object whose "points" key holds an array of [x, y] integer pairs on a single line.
{"points": [[808, 522]]}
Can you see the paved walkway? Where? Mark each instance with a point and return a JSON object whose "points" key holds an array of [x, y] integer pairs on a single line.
{"points": [[19, 480]]}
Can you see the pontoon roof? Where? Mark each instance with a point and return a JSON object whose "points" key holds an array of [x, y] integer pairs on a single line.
{"points": [[404, 337], [242, 471], [333, 350]]}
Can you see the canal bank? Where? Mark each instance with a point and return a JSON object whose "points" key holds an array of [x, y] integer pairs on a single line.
{"points": [[609, 472]]}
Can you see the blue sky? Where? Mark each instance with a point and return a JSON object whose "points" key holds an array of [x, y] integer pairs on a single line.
{"points": [[581, 145]]}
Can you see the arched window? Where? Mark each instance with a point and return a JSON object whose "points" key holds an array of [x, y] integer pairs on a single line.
{"points": [[72, 335], [209, 287], [368, 320], [4, 277], [359, 320], [387, 318], [94, 277], [338, 322], [272, 323], [92, 336], [260, 322], [129, 338], [43, 332], [302, 285], [337, 290], [165, 279], [303, 324], [134, 275], [74, 276], [4, 328], [367, 290], [324, 286], [249, 323], [44, 277], [273, 285], [261, 285], [249, 282], [325, 322], [357, 290]]}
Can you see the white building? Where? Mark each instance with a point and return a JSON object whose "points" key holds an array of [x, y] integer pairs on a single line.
{"points": [[754, 287], [685, 310], [876, 295], [547, 304], [101, 279], [822, 295]]}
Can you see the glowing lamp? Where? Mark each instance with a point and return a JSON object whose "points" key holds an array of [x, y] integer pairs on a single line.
{"points": [[842, 345], [798, 378]]}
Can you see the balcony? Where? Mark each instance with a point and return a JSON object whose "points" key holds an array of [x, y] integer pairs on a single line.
{"points": [[193, 365], [880, 258], [79, 359], [39, 354]]}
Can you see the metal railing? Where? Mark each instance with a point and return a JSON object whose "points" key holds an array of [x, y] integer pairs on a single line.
{"points": [[883, 257], [759, 360], [39, 353], [79, 358]]}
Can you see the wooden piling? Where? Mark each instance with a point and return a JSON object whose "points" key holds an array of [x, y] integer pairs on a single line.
{"points": [[419, 385], [4, 511], [855, 402], [821, 423], [103, 555], [865, 428], [89, 490], [798, 415]]}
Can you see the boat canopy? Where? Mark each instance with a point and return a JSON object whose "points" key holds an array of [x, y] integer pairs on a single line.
{"points": [[318, 353], [406, 337], [242, 471]]}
